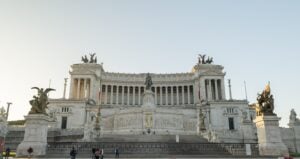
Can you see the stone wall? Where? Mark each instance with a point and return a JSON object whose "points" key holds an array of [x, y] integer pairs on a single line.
{"points": [[290, 139]]}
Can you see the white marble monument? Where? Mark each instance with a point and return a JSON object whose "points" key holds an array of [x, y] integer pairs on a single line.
{"points": [[168, 103]]}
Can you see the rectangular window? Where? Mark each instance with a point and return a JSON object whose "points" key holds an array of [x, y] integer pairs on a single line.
{"points": [[231, 123], [64, 122]]}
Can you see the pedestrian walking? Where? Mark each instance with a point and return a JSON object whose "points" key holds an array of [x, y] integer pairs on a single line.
{"points": [[73, 153]]}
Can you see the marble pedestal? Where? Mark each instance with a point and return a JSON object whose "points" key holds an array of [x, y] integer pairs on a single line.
{"points": [[36, 128], [269, 137], [148, 111], [148, 100]]}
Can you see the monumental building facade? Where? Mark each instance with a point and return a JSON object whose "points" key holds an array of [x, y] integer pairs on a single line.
{"points": [[190, 103]]}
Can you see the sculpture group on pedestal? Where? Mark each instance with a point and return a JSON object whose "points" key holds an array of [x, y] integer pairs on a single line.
{"points": [[265, 102], [267, 123], [35, 137]]}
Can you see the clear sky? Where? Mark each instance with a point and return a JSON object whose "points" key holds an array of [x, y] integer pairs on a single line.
{"points": [[256, 41]]}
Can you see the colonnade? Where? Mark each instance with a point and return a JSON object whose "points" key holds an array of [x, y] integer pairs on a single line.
{"points": [[132, 95], [81, 88], [213, 89]]}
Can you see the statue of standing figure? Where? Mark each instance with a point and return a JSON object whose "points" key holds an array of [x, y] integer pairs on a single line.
{"points": [[148, 82], [3, 114], [39, 103], [293, 117], [202, 120]]}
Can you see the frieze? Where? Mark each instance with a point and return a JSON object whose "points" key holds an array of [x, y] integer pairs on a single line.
{"points": [[127, 121], [109, 122], [168, 121], [190, 125]]}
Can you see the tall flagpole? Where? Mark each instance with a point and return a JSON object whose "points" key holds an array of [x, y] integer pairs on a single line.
{"points": [[245, 90], [229, 85]]}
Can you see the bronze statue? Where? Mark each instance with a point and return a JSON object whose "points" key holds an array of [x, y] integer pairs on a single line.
{"points": [[84, 59], [148, 82], [265, 102], [93, 58], [203, 60], [39, 103]]}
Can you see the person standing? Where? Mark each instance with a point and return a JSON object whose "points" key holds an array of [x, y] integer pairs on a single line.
{"points": [[7, 152], [97, 154], [73, 153], [116, 153], [93, 153]]}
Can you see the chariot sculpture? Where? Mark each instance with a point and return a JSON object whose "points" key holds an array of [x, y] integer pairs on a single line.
{"points": [[202, 59], [93, 58]]}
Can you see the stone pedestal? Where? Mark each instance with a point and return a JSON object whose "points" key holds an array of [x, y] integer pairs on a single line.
{"points": [[148, 100], [148, 111], [36, 128], [269, 137]]}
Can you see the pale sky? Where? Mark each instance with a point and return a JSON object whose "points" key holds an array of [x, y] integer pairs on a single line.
{"points": [[256, 41]]}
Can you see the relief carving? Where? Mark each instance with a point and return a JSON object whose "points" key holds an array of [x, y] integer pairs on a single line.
{"points": [[148, 120]]}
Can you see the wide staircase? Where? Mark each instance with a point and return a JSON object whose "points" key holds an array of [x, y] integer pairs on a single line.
{"points": [[159, 146]]}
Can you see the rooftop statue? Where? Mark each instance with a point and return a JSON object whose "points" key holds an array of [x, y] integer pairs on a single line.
{"points": [[2, 111], [265, 102], [293, 117], [84, 59], [203, 60], [2, 114], [148, 82], [93, 58], [39, 103]]}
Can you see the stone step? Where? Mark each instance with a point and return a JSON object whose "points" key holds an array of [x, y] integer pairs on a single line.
{"points": [[152, 138], [154, 149]]}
